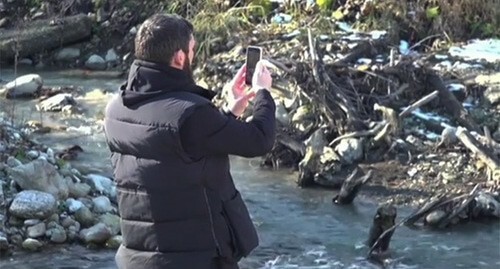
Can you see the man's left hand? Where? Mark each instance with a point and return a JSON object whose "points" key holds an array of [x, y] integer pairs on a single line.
{"points": [[237, 94]]}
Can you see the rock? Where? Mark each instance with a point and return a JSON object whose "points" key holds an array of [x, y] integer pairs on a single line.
{"points": [[102, 204], [26, 85], [31, 222], [112, 222], [67, 54], [111, 57], [13, 162], [133, 30], [4, 243], [97, 234], [32, 244], [317, 141], [114, 242], [68, 222], [33, 154], [16, 239], [73, 205], [84, 217], [102, 185], [72, 233], [57, 234], [37, 230], [56, 102], [87, 202], [78, 190], [3, 147], [25, 61], [15, 221], [282, 114], [435, 217], [4, 22], [53, 218], [40, 175], [350, 150], [33, 204], [51, 158], [95, 62]]}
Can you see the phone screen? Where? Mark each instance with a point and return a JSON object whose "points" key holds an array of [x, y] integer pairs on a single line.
{"points": [[253, 56]]}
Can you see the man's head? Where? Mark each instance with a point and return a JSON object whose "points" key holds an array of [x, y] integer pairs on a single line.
{"points": [[166, 39]]}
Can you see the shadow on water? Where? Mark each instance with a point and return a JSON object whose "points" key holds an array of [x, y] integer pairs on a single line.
{"points": [[298, 228]]}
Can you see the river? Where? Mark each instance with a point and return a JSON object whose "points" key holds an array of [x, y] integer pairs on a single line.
{"points": [[298, 228]]}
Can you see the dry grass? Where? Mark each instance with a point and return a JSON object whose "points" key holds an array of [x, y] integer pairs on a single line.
{"points": [[463, 19]]}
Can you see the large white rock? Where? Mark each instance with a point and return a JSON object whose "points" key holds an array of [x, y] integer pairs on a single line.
{"points": [[40, 175], [95, 62], [56, 102], [22, 86], [102, 184], [33, 205]]}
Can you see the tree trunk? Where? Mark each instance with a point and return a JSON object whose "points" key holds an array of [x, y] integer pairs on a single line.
{"points": [[43, 35]]}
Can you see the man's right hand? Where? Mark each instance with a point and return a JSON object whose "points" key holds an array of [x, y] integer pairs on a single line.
{"points": [[262, 77]]}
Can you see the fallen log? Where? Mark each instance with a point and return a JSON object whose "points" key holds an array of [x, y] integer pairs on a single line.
{"points": [[43, 35], [351, 186]]}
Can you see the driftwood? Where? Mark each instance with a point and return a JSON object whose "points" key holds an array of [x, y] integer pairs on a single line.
{"points": [[383, 226], [442, 210], [427, 207], [43, 35], [351, 186], [482, 152]]}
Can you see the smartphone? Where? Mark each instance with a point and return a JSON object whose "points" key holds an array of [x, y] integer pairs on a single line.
{"points": [[254, 54]]}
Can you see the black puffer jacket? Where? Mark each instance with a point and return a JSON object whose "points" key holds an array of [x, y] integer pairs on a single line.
{"points": [[170, 150]]}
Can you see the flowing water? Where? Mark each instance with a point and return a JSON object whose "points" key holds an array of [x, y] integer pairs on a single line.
{"points": [[299, 228]]}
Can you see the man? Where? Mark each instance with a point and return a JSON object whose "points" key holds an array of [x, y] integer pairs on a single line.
{"points": [[178, 204]]}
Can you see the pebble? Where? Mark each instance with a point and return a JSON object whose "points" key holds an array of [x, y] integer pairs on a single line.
{"points": [[31, 222], [37, 230], [102, 204], [84, 217], [31, 244], [73, 205]]}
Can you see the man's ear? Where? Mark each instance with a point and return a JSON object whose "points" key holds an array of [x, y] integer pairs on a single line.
{"points": [[178, 59]]}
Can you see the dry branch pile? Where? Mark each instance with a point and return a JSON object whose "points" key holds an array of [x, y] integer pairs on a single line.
{"points": [[346, 101]]}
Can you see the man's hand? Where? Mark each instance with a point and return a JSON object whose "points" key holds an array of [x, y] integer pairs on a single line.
{"points": [[237, 94]]}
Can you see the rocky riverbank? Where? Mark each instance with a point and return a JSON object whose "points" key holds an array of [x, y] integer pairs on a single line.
{"points": [[45, 201]]}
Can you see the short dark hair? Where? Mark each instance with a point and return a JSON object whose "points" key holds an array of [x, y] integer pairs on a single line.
{"points": [[160, 36]]}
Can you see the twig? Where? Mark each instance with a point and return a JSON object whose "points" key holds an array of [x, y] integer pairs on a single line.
{"points": [[424, 100], [363, 133], [423, 40]]}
